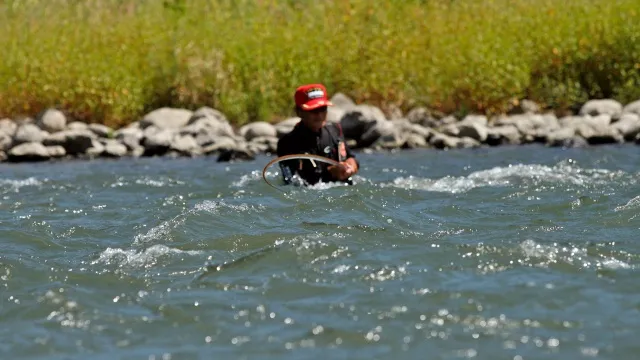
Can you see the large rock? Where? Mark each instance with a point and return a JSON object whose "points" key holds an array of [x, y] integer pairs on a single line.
{"points": [[342, 101], [185, 145], [473, 119], [27, 133], [3, 156], [602, 107], [129, 137], [158, 142], [52, 120], [358, 120], [633, 108], [563, 137], [56, 151], [206, 112], [596, 130], [628, 126], [423, 116], [77, 125], [286, 126], [474, 130], [503, 135], [383, 132], [210, 121], [5, 141], [8, 127], [258, 129], [335, 114], [166, 118], [113, 148], [30, 151], [102, 131], [415, 141], [269, 143], [96, 149], [443, 141], [405, 127], [207, 126], [74, 141], [220, 144]]}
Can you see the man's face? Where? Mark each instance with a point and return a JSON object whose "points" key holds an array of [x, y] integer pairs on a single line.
{"points": [[314, 119]]}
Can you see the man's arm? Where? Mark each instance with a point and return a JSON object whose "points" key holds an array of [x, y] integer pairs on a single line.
{"points": [[287, 167]]}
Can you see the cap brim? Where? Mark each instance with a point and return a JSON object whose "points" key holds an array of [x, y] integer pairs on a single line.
{"points": [[314, 104]]}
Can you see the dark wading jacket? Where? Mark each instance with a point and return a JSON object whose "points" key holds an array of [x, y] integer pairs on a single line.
{"points": [[328, 143]]}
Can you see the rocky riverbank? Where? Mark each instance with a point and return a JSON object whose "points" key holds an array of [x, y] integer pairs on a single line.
{"points": [[206, 131]]}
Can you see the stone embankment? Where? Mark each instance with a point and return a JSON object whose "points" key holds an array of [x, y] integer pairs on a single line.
{"points": [[206, 131]]}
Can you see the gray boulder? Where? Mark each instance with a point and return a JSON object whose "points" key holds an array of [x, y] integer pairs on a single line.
{"points": [[563, 137], [384, 133], [503, 135], [286, 126], [335, 114], [166, 118], [27, 133], [114, 148], [406, 127], [633, 108], [474, 130], [30, 151], [269, 143], [342, 101], [56, 151], [157, 142], [258, 129], [475, 120], [423, 116], [129, 137], [8, 127], [74, 141], [5, 141], [100, 130], [206, 112], [415, 141], [210, 121], [628, 126], [185, 145], [96, 149], [221, 143], [358, 120], [52, 120], [602, 107], [77, 125], [443, 141], [207, 126]]}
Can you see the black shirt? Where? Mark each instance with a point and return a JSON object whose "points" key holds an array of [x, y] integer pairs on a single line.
{"points": [[328, 142]]}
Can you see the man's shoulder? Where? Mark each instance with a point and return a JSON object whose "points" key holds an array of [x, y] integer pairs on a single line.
{"points": [[286, 142]]}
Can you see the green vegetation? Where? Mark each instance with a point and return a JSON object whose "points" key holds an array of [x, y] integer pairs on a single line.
{"points": [[111, 61]]}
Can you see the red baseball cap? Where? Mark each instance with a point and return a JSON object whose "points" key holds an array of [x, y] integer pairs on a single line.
{"points": [[312, 96]]}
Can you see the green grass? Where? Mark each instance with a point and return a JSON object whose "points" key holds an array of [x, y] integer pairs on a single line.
{"points": [[112, 61]]}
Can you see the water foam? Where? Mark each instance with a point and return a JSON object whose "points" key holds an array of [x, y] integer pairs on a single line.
{"points": [[16, 185], [512, 174], [145, 258]]}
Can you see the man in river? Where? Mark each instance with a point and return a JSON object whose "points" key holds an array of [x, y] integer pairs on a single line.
{"points": [[312, 135]]}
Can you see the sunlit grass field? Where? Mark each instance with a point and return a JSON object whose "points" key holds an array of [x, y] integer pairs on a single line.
{"points": [[112, 61]]}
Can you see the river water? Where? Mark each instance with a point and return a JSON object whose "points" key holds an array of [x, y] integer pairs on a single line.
{"points": [[495, 253]]}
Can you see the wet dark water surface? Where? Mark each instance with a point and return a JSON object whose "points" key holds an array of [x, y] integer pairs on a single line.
{"points": [[498, 253]]}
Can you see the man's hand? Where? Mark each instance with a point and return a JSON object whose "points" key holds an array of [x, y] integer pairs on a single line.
{"points": [[344, 170]]}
